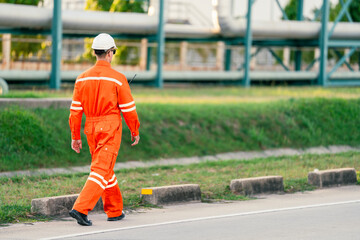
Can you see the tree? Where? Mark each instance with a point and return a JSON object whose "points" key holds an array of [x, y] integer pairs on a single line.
{"points": [[291, 9], [24, 2], [354, 11], [123, 52]]}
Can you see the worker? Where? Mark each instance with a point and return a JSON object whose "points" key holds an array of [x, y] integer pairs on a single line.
{"points": [[101, 93]]}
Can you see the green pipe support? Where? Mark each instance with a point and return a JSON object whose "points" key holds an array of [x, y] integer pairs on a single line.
{"points": [[56, 30], [278, 59], [343, 43], [339, 16], [340, 62], [227, 65], [160, 47], [346, 62], [248, 44], [324, 39], [299, 17], [282, 10], [309, 67], [148, 58], [347, 12]]}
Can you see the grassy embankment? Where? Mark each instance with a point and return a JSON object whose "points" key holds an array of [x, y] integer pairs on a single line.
{"points": [[40, 138]]}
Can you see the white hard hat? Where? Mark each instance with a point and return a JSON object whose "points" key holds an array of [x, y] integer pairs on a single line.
{"points": [[103, 41]]}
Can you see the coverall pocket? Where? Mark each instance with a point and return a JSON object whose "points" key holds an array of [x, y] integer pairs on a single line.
{"points": [[88, 129], [102, 127], [104, 161], [89, 132]]}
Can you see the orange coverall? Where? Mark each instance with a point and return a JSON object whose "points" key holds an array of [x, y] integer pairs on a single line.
{"points": [[101, 93]]}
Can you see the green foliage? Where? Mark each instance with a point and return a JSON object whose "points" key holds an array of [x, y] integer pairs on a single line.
{"points": [[24, 2], [127, 6], [354, 11], [103, 5], [123, 53], [24, 136], [13, 212], [291, 9], [24, 49]]}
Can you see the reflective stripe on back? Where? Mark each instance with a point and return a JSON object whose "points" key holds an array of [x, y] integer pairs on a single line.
{"points": [[100, 78]]}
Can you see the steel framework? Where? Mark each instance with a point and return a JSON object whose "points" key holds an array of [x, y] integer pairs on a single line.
{"points": [[325, 42]]}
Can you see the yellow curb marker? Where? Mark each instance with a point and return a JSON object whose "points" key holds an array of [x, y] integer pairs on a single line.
{"points": [[145, 191]]}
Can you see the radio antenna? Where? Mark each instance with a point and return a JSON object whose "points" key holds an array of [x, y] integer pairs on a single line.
{"points": [[132, 78]]}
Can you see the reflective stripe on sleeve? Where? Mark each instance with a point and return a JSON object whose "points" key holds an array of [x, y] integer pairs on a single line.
{"points": [[126, 104], [76, 108], [76, 102], [128, 110]]}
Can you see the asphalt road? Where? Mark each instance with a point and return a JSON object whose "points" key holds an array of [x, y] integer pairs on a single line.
{"points": [[332, 213]]}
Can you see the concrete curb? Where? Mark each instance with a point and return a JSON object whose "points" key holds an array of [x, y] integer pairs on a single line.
{"points": [[36, 102], [61, 205], [332, 177], [171, 194], [58, 206], [257, 185]]}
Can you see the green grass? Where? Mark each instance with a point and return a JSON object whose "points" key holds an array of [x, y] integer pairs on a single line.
{"points": [[31, 139], [213, 177], [201, 94]]}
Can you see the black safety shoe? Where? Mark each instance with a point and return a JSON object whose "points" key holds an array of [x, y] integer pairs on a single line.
{"points": [[117, 218], [80, 217]]}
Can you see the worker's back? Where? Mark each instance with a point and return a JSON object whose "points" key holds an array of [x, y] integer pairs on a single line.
{"points": [[98, 90], [102, 91]]}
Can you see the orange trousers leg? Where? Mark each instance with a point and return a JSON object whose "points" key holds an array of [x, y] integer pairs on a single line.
{"points": [[112, 199], [104, 138]]}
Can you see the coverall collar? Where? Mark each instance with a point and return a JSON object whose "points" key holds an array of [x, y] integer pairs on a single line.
{"points": [[102, 63]]}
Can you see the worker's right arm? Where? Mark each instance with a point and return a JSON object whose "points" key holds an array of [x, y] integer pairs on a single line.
{"points": [[76, 112]]}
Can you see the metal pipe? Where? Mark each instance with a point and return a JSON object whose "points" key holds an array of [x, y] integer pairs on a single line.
{"points": [[23, 17], [231, 27], [14, 76]]}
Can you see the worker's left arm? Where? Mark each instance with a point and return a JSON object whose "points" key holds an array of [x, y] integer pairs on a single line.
{"points": [[128, 108], [76, 112]]}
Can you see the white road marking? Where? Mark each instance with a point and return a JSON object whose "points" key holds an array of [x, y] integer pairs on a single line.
{"points": [[204, 218]]}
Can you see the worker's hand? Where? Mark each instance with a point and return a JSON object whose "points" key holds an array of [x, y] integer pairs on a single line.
{"points": [[76, 145], [136, 140]]}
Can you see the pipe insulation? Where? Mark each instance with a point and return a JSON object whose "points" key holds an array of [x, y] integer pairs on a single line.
{"points": [[32, 17], [231, 27], [94, 22]]}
